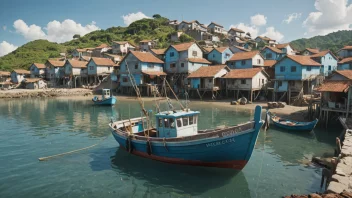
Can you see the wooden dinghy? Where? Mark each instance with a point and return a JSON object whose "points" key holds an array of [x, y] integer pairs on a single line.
{"points": [[292, 125], [106, 98], [176, 139]]}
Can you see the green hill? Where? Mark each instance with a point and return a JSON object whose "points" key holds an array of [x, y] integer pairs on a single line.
{"points": [[333, 41]]}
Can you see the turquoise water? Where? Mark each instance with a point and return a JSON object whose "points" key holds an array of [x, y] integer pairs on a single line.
{"points": [[34, 128]]}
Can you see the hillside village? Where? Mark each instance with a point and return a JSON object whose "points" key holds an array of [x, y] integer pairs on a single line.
{"points": [[218, 63]]}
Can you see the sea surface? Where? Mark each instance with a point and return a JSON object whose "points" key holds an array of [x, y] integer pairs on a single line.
{"points": [[34, 128]]}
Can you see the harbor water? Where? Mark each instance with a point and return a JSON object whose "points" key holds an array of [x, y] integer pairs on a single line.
{"points": [[34, 128]]}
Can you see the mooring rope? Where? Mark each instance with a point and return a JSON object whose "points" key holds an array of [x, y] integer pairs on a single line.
{"points": [[70, 152]]}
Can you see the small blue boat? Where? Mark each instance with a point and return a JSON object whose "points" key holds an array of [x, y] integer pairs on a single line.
{"points": [[292, 125], [176, 139], [106, 98]]}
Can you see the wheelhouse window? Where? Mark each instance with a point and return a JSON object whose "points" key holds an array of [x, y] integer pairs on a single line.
{"points": [[172, 123], [191, 120], [185, 121], [179, 122], [195, 119], [160, 123], [166, 123]]}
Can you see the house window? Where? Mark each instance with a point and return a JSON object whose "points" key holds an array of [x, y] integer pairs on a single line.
{"points": [[91, 67], [258, 61], [124, 79], [194, 53], [282, 69], [293, 68], [292, 83], [136, 66], [182, 65], [329, 68], [109, 68], [262, 81], [151, 65], [243, 62], [172, 54], [213, 55], [269, 55], [192, 64], [243, 81], [279, 83], [227, 55], [309, 68], [172, 65], [210, 80]]}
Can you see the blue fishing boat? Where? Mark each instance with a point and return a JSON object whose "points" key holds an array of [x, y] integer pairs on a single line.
{"points": [[106, 98], [292, 125], [176, 139]]}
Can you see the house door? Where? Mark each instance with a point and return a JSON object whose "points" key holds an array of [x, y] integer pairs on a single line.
{"points": [[202, 83]]}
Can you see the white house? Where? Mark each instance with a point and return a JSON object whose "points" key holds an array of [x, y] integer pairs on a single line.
{"points": [[35, 83], [235, 32], [208, 78], [145, 45], [100, 66], [37, 70], [265, 39], [18, 75], [75, 68], [54, 69], [286, 48], [121, 47], [216, 28], [77, 53], [192, 25], [98, 51], [243, 60], [114, 57]]}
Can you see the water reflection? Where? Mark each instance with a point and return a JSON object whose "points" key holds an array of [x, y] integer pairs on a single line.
{"points": [[184, 180]]}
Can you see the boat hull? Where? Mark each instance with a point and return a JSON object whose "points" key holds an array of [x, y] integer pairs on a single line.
{"points": [[227, 148], [110, 101], [298, 126]]}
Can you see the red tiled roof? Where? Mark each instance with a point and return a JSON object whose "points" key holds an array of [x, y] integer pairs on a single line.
{"points": [[208, 49], [56, 63], [281, 46], [198, 60], [5, 73], [347, 48], [346, 60], [266, 38], [237, 30], [77, 63], [334, 86], [146, 57], [154, 73], [242, 48], [216, 24], [274, 49], [221, 49], [102, 46], [103, 62], [269, 63], [243, 55], [84, 49], [243, 73], [22, 71], [313, 51], [207, 71], [345, 73], [159, 51], [183, 46], [303, 60], [39, 65], [32, 80]]}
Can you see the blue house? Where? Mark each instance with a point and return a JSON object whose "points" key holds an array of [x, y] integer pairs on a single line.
{"points": [[220, 55], [145, 68], [243, 60], [272, 53], [294, 76], [345, 64], [328, 61]]}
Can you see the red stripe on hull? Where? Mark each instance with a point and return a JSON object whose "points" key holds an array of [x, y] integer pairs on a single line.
{"points": [[233, 164]]}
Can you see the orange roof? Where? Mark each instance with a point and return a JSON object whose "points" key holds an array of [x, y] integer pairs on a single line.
{"points": [[243, 73], [22, 71], [78, 64], [146, 57], [283, 45], [303, 60], [346, 60], [102, 46], [32, 80], [39, 65], [198, 60], [154, 73], [237, 30], [269, 63], [5, 73], [208, 49], [107, 62], [216, 24], [266, 38], [334, 86], [243, 55], [347, 48], [159, 51], [56, 63], [242, 48], [145, 41], [274, 49], [183, 46], [207, 71], [220, 49], [345, 73], [313, 51], [84, 49]]}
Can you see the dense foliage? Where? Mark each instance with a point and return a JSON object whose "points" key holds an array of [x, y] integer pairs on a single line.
{"points": [[333, 41]]}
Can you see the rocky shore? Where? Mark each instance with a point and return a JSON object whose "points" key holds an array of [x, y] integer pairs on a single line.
{"points": [[329, 195], [44, 93]]}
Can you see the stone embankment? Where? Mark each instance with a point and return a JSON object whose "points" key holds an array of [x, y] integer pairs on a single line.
{"points": [[329, 195], [43, 93]]}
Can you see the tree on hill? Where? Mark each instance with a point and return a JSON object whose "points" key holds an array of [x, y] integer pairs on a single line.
{"points": [[76, 36], [156, 16]]}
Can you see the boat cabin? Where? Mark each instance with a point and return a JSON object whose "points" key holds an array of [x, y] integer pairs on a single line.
{"points": [[106, 94], [177, 123]]}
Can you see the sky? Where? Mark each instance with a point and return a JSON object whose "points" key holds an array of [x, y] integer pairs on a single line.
{"points": [[22, 21]]}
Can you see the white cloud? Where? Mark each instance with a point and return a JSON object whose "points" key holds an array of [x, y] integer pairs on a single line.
{"points": [[258, 20], [273, 34], [132, 17], [6, 48], [292, 17], [4, 27], [247, 28], [55, 31], [331, 15]]}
